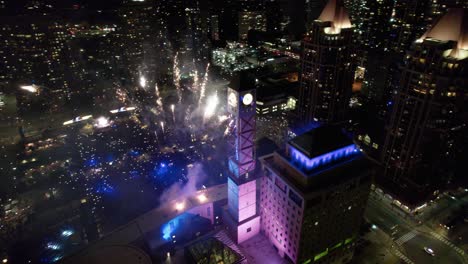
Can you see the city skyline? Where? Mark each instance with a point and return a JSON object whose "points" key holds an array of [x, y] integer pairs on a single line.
{"points": [[234, 131]]}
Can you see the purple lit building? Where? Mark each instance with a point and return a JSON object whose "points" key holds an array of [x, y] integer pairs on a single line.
{"points": [[313, 196]]}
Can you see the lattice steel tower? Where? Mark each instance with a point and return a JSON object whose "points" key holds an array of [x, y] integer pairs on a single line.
{"points": [[242, 217]]}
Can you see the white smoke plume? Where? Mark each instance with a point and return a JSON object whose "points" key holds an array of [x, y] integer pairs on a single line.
{"points": [[177, 191]]}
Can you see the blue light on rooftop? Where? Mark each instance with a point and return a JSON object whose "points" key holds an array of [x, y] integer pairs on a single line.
{"points": [[308, 164], [170, 228]]}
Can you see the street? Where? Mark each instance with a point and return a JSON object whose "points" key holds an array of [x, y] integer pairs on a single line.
{"points": [[408, 237]]}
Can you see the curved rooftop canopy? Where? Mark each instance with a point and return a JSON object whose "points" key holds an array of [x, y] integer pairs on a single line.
{"points": [[453, 26], [336, 13]]}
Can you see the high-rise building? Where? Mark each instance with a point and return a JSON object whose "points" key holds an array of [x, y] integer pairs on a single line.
{"points": [[428, 111], [313, 196], [242, 217], [328, 66]]}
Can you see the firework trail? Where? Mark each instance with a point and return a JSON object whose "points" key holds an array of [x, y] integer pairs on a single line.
{"points": [[223, 118], [162, 126], [230, 127], [173, 114], [188, 114], [158, 99], [176, 72], [203, 85], [143, 82], [195, 81]]}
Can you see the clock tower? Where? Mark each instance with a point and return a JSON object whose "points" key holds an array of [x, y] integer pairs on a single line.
{"points": [[242, 217]]}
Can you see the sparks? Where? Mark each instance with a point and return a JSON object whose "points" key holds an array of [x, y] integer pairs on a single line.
{"points": [[159, 102], [176, 72], [173, 114], [30, 88], [142, 81], [203, 85]]}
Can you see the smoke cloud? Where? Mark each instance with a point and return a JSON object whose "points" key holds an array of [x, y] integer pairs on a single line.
{"points": [[195, 176]]}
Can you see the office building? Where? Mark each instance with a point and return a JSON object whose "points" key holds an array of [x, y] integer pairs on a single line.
{"points": [[313, 196]]}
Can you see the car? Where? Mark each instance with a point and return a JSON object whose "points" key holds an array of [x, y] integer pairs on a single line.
{"points": [[429, 251]]}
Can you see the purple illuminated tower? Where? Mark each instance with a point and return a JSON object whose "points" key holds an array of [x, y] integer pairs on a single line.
{"points": [[242, 217]]}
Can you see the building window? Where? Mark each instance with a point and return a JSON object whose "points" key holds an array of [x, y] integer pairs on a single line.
{"points": [[249, 229]]}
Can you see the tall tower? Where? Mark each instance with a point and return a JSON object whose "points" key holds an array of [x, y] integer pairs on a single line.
{"points": [[328, 66], [242, 218], [429, 112]]}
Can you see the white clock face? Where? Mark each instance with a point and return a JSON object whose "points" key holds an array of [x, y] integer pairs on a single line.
{"points": [[232, 99], [247, 99]]}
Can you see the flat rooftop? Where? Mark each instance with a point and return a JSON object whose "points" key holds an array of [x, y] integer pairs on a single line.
{"points": [[320, 140]]}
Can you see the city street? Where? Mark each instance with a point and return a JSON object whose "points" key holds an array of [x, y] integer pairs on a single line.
{"points": [[409, 238]]}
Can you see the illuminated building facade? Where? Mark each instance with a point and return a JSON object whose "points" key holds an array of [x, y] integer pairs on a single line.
{"points": [[328, 67], [429, 111], [242, 217], [313, 196]]}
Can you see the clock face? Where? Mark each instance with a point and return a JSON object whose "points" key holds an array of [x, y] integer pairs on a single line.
{"points": [[232, 100], [247, 99]]}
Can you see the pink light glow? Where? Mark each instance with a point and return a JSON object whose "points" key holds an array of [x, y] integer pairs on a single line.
{"points": [[202, 198], [180, 206]]}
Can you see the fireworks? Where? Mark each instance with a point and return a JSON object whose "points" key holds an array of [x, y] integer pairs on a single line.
{"points": [[102, 122], [203, 85], [121, 95], [195, 81], [223, 118], [173, 115], [159, 102], [142, 82], [162, 126], [30, 88], [176, 72], [211, 105]]}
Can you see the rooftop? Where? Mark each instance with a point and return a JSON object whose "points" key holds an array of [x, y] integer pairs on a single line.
{"points": [[320, 140], [336, 13], [242, 81], [453, 26]]}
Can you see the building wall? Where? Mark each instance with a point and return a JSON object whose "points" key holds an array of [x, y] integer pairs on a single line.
{"points": [[248, 230], [242, 200], [320, 226], [332, 219], [281, 215]]}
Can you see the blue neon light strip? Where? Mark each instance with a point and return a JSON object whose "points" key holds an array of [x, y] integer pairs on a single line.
{"points": [[324, 159]]}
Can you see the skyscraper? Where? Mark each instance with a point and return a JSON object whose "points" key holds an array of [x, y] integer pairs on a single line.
{"points": [[429, 110], [327, 71], [313, 196], [242, 218]]}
